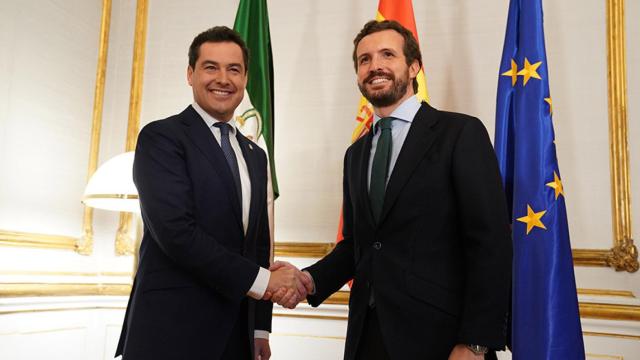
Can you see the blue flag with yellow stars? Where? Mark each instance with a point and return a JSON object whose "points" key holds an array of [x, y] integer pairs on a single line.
{"points": [[545, 317]]}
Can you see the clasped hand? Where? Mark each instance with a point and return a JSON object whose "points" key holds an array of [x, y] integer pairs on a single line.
{"points": [[287, 285]]}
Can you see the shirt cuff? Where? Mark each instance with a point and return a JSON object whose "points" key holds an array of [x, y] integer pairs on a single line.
{"points": [[260, 284], [261, 334]]}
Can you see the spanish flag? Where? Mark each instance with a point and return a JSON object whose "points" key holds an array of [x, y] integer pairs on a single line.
{"points": [[402, 12]]}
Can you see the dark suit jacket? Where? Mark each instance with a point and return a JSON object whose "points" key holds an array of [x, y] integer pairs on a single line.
{"points": [[196, 264], [439, 259]]}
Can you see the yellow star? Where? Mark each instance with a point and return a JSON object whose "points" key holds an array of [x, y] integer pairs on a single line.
{"points": [[548, 100], [530, 71], [513, 72], [556, 184], [532, 219]]}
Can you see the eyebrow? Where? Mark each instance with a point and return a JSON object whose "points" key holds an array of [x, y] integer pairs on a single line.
{"points": [[211, 62], [377, 51], [362, 55], [387, 49]]}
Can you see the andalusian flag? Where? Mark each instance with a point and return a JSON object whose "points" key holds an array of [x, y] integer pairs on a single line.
{"points": [[252, 22], [402, 12], [545, 316], [254, 115]]}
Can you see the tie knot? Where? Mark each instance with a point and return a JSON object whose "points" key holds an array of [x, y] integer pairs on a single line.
{"points": [[385, 123], [224, 127]]}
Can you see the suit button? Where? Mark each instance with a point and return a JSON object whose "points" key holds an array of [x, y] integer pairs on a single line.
{"points": [[377, 245]]}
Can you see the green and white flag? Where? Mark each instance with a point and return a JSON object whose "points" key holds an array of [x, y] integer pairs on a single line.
{"points": [[255, 113]]}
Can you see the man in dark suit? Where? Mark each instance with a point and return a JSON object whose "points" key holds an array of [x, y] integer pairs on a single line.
{"points": [[205, 251], [426, 234]]}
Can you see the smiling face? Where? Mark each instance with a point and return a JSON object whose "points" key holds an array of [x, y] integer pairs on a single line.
{"points": [[218, 78], [384, 77]]}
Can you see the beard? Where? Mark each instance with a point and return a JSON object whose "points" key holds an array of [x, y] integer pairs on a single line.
{"points": [[383, 98]]}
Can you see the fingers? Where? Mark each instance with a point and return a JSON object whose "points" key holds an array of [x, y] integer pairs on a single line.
{"points": [[279, 264], [267, 295], [291, 304], [266, 354], [278, 295], [262, 349], [282, 277], [289, 300]]}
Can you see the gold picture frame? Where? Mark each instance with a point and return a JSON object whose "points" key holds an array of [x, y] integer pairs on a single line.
{"points": [[623, 256], [84, 243], [124, 243]]}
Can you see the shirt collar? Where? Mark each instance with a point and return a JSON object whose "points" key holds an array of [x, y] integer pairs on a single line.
{"points": [[406, 111], [210, 120]]}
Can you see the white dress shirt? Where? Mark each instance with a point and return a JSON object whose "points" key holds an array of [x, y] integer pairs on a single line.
{"points": [[261, 282], [403, 117]]}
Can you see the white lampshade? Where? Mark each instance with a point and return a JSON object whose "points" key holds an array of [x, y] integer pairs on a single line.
{"points": [[111, 186]]}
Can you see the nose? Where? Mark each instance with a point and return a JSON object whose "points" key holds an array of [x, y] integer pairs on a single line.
{"points": [[222, 77], [375, 64]]}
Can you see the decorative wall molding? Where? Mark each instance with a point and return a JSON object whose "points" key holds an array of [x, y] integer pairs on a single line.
{"points": [[310, 316], [623, 256], [303, 249], [606, 292], [624, 253], [38, 310], [63, 289], [83, 244], [614, 335], [124, 243], [64, 273], [34, 240], [591, 356], [588, 310], [591, 310]]}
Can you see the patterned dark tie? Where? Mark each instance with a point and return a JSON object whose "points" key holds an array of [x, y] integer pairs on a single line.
{"points": [[380, 167], [230, 155]]}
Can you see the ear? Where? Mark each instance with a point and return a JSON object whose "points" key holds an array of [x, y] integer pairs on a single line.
{"points": [[189, 75], [414, 69]]}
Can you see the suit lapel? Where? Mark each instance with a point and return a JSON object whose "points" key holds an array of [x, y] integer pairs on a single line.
{"points": [[202, 137], [362, 166], [252, 167], [419, 139]]}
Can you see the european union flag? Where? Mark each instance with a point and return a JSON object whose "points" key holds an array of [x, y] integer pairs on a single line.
{"points": [[545, 317]]}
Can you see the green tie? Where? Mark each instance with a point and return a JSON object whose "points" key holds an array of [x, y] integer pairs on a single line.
{"points": [[380, 167]]}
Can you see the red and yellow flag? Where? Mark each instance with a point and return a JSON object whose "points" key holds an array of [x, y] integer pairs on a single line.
{"points": [[402, 12]]}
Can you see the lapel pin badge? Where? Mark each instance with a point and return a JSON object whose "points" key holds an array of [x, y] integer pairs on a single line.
{"points": [[250, 147]]}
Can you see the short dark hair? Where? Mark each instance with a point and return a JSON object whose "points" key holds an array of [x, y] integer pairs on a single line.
{"points": [[217, 34], [410, 49]]}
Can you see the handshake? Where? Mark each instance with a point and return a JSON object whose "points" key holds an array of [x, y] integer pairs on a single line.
{"points": [[288, 285]]}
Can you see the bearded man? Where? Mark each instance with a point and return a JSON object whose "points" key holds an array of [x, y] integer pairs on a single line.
{"points": [[426, 234]]}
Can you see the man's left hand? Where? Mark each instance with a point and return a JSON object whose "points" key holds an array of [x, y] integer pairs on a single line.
{"points": [[460, 352], [262, 349]]}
